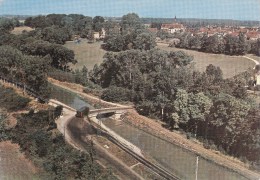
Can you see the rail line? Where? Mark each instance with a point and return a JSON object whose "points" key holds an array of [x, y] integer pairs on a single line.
{"points": [[155, 168]]}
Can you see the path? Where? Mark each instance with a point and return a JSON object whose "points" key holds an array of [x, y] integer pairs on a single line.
{"points": [[255, 61]]}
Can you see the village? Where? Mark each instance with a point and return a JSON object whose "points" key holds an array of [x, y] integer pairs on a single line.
{"points": [[251, 33]]}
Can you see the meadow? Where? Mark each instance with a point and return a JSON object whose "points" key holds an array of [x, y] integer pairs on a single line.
{"points": [[230, 65], [87, 54]]}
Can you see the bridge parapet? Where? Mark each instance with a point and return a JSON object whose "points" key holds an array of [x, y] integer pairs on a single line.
{"points": [[108, 110]]}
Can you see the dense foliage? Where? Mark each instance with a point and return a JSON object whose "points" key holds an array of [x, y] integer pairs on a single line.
{"points": [[219, 44], [12, 101], [7, 25], [131, 34], [59, 28], [29, 70]]}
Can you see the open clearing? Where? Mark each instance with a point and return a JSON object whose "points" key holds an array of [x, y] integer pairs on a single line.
{"points": [[87, 54], [19, 30], [230, 65], [13, 164]]}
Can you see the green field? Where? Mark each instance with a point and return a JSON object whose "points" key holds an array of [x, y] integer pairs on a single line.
{"points": [[230, 65], [87, 54]]}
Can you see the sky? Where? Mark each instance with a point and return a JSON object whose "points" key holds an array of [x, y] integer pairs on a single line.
{"points": [[206, 9]]}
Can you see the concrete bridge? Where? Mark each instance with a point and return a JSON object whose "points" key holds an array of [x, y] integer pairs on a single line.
{"points": [[117, 111]]}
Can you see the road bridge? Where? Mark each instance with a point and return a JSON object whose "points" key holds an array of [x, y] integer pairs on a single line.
{"points": [[117, 111]]}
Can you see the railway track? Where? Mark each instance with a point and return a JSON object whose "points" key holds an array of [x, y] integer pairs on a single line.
{"points": [[155, 168]]}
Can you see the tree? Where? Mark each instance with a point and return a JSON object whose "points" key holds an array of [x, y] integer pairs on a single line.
{"points": [[55, 34], [227, 113], [144, 41], [131, 21], [6, 25], [59, 54], [195, 42], [243, 47], [56, 19], [162, 34], [39, 22], [181, 107], [212, 44], [98, 23], [214, 73], [156, 25]]}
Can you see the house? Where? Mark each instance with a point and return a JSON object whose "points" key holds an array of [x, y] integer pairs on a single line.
{"points": [[253, 35], [173, 27]]}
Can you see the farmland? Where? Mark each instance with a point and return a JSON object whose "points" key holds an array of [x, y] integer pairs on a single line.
{"points": [[230, 65], [87, 54]]}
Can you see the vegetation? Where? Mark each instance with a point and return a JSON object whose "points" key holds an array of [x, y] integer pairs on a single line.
{"points": [[86, 54], [12, 101], [7, 25], [161, 84], [59, 28], [230, 65], [39, 139], [218, 44], [164, 85], [130, 35], [29, 70]]}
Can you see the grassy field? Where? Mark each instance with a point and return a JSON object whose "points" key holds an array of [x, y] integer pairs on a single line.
{"points": [[230, 65], [90, 54], [19, 30], [86, 53], [13, 164]]}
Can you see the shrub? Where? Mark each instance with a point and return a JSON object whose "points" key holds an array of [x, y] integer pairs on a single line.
{"points": [[12, 101], [116, 94]]}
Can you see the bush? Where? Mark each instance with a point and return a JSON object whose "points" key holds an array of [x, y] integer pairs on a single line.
{"points": [[116, 94], [62, 76], [12, 101]]}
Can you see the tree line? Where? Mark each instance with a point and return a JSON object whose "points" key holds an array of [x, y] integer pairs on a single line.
{"points": [[59, 28], [28, 58], [218, 44]]}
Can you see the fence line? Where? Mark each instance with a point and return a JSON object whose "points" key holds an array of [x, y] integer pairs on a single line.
{"points": [[24, 88]]}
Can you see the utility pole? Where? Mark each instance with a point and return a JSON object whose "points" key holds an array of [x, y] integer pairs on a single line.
{"points": [[162, 104], [64, 130], [197, 167]]}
